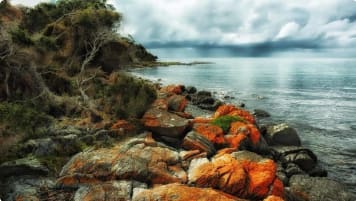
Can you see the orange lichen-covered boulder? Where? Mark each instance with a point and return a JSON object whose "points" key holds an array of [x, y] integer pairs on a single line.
{"points": [[234, 111], [179, 192], [177, 103], [164, 123], [253, 137], [172, 89], [261, 173], [247, 129], [242, 174], [224, 173], [235, 141], [213, 133], [137, 158], [224, 110]]}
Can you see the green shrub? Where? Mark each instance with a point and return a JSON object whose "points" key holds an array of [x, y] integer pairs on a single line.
{"points": [[22, 117], [130, 96], [225, 121], [21, 36], [48, 43]]}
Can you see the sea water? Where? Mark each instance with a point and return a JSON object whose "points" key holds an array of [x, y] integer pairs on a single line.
{"points": [[316, 96]]}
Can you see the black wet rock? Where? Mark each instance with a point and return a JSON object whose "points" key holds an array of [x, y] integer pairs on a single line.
{"points": [[282, 134], [261, 113]]}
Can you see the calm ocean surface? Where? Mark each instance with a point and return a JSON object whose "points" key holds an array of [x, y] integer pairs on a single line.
{"points": [[316, 96]]}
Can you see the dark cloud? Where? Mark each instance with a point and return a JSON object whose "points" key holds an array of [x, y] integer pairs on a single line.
{"points": [[252, 26]]}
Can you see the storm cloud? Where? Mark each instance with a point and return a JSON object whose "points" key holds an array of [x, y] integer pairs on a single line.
{"points": [[255, 26]]}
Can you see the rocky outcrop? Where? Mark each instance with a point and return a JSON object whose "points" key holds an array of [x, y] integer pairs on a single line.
{"points": [[175, 158]]}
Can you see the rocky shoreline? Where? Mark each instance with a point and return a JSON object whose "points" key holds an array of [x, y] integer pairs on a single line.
{"points": [[178, 154]]}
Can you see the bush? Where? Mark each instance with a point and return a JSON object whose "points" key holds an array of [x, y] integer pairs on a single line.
{"points": [[48, 43], [22, 117], [225, 121], [130, 97], [21, 36]]}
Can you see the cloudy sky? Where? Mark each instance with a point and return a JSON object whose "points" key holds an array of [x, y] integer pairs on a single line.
{"points": [[242, 27]]}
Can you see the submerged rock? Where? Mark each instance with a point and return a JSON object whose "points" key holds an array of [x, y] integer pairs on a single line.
{"points": [[261, 113]]}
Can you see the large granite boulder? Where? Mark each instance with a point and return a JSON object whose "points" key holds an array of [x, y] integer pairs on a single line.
{"points": [[282, 134], [141, 159], [164, 123], [179, 192], [319, 189], [243, 174]]}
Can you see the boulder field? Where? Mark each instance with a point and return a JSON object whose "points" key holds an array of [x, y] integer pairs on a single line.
{"points": [[225, 156]]}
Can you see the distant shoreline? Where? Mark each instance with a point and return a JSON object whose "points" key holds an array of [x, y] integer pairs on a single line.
{"points": [[165, 63]]}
